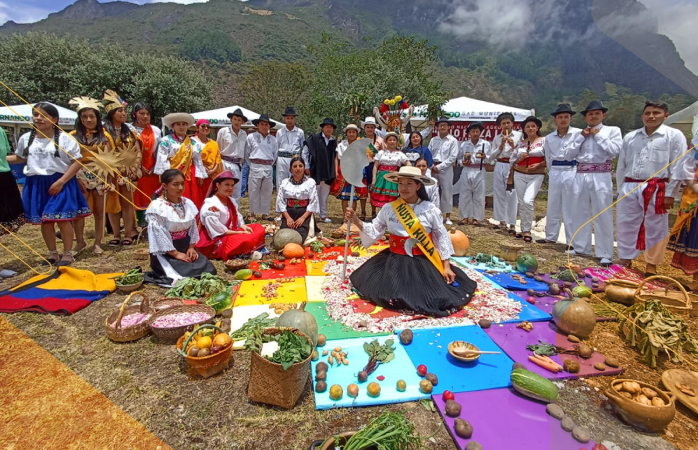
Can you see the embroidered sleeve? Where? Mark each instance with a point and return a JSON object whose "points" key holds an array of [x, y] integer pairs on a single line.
{"points": [[211, 220], [439, 234], [162, 162], [314, 204], [281, 198], [375, 229], [198, 162], [159, 238]]}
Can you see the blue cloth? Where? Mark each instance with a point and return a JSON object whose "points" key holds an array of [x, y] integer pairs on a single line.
{"points": [[18, 172], [40, 207], [423, 152], [245, 174]]}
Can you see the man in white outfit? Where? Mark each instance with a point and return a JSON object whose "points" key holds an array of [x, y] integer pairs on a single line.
{"points": [[260, 153], [505, 202], [593, 184], [561, 173], [648, 177], [231, 141], [473, 158], [444, 150], [290, 139]]}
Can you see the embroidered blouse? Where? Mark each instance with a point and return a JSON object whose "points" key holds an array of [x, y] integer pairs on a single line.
{"points": [[536, 150], [166, 221], [307, 190], [390, 158], [215, 216], [168, 148], [44, 157]]}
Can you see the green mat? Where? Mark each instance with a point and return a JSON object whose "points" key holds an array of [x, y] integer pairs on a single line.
{"points": [[332, 329]]}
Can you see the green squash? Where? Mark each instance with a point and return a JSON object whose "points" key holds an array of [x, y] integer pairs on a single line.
{"points": [[526, 263], [300, 319], [221, 301]]}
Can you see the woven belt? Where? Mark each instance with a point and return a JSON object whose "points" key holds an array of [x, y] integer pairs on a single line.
{"points": [[604, 167], [287, 154], [657, 185], [503, 160], [397, 245], [388, 168], [293, 203], [232, 159], [262, 162], [177, 235], [571, 163]]}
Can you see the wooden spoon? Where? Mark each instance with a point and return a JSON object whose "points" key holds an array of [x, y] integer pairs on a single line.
{"points": [[466, 352]]}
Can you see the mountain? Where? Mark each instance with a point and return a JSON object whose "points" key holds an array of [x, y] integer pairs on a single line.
{"points": [[530, 52]]}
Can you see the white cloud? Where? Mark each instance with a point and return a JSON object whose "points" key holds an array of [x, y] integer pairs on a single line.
{"points": [[676, 21], [25, 14]]}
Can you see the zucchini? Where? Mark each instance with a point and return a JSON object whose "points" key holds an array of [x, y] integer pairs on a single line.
{"points": [[533, 385]]}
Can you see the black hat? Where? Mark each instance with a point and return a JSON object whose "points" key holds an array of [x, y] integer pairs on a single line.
{"points": [[563, 108], [444, 120], [289, 112], [594, 105], [237, 112], [533, 119], [328, 121], [474, 125], [505, 115], [264, 118]]}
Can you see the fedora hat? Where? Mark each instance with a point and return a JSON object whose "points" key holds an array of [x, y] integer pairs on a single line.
{"points": [[351, 126], [173, 118], [533, 119], [563, 108], [369, 121], [237, 112], [411, 172], [444, 120], [289, 111], [328, 121], [475, 125], [264, 118], [225, 175], [594, 105]]}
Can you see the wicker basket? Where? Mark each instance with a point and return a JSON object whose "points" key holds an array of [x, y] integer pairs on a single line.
{"points": [[271, 384], [118, 333], [165, 303], [206, 366], [172, 334], [510, 251], [142, 254], [678, 304], [234, 265]]}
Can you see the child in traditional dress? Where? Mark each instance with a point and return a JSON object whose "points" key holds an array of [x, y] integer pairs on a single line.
{"points": [[432, 190], [386, 161]]}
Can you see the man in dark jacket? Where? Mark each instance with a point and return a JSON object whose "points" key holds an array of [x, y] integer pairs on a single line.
{"points": [[319, 152]]}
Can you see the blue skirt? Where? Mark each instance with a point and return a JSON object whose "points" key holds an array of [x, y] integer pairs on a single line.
{"points": [[40, 207]]}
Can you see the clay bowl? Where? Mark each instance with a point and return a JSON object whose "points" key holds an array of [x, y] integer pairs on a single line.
{"points": [[460, 344], [654, 418], [126, 288]]}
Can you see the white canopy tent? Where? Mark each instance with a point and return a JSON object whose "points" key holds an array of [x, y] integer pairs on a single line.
{"points": [[469, 109], [685, 120], [14, 119], [219, 117]]}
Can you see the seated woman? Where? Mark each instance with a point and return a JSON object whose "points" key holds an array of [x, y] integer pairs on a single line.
{"points": [[223, 234], [423, 283], [297, 201], [173, 234]]}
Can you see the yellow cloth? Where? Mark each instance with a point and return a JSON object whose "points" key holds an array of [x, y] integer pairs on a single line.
{"points": [[252, 292], [686, 212], [182, 160], [76, 280], [211, 157]]}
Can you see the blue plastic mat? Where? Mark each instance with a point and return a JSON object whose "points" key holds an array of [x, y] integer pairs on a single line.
{"points": [[466, 261], [505, 280], [529, 312]]}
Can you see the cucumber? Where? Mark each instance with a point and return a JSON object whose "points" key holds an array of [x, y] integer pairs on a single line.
{"points": [[533, 385]]}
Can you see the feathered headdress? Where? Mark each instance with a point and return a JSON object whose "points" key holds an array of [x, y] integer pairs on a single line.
{"points": [[113, 101], [81, 103], [390, 116]]}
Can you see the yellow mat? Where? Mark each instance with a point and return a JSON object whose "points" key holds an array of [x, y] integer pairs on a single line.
{"points": [[252, 292], [313, 286], [315, 268]]}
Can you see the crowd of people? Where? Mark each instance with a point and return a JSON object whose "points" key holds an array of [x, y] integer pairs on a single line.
{"points": [[187, 187]]}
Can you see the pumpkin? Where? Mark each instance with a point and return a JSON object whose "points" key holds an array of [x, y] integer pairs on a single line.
{"points": [[292, 250], [575, 317], [286, 236], [460, 242], [300, 319], [526, 263]]}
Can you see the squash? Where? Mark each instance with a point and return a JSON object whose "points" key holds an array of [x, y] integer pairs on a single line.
{"points": [[575, 317], [460, 242], [292, 250], [220, 301], [300, 319], [533, 385], [285, 236], [526, 263], [582, 291]]}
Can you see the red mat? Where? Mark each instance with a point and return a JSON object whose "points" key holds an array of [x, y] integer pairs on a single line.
{"points": [[289, 270]]}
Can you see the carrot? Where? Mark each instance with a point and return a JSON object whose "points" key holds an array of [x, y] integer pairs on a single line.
{"points": [[545, 364], [547, 359]]}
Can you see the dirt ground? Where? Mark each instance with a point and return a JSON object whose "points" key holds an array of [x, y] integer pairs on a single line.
{"points": [[149, 382]]}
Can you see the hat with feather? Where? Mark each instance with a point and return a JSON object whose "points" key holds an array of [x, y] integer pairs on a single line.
{"points": [[113, 101], [82, 102]]}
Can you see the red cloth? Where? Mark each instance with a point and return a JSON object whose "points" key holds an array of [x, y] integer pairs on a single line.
{"points": [[229, 246], [192, 190], [147, 185], [397, 245], [289, 270], [531, 160], [653, 184]]}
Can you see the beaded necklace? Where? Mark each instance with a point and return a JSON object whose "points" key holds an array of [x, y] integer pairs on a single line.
{"points": [[177, 207]]}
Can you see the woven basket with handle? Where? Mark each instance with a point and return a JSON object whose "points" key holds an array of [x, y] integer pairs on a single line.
{"points": [[173, 333], [271, 384], [118, 333], [206, 366], [680, 304]]}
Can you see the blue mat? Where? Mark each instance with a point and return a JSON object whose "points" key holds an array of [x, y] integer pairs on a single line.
{"points": [[505, 280], [529, 312], [466, 261], [400, 368], [430, 347]]}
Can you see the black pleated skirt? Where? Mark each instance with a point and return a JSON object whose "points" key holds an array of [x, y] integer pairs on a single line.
{"points": [[304, 229], [11, 207], [195, 269]]}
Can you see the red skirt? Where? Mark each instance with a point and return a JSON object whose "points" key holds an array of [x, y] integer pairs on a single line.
{"points": [[192, 190], [147, 185], [228, 247], [205, 186]]}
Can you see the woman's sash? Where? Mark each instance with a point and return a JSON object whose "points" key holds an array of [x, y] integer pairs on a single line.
{"points": [[408, 219]]}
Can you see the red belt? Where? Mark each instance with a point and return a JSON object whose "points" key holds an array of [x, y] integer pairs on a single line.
{"points": [[397, 245], [531, 160], [293, 203], [653, 184], [383, 167], [262, 162], [503, 160]]}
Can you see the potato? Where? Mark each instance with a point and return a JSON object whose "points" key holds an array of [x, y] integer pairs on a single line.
{"points": [[463, 428], [643, 400], [321, 339], [227, 313], [406, 336], [320, 386], [585, 351], [473, 445], [631, 387], [649, 393], [571, 366], [321, 376], [452, 408], [627, 395], [321, 366], [433, 378], [657, 401]]}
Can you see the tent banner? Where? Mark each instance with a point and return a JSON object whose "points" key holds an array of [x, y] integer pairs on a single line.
{"points": [[421, 112], [12, 118], [458, 130]]}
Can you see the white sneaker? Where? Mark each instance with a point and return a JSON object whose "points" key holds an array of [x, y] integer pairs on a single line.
{"points": [[7, 273], [448, 222], [605, 262], [326, 220]]}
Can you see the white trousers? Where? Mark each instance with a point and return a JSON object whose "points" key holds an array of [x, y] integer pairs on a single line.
{"points": [[560, 202], [445, 180], [283, 170], [629, 214], [236, 169], [593, 192], [505, 203], [260, 187], [323, 193], [471, 200], [527, 187]]}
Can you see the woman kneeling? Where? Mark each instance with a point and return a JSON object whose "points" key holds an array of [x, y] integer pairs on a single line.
{"points": [[424, 283]]}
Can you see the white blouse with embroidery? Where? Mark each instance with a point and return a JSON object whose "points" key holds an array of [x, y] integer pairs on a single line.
{"points": [[390, 158], [215, 216], [44, 157], [535, 150], [165, 218], [304, 191], [428, 214], [168, 148]]}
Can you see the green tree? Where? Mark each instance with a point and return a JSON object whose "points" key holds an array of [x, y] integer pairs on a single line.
{"points": [[271, 86], [214, 45]]}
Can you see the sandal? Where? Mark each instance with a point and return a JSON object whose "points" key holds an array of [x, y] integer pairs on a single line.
{"points": [[115, 242], [362, 217], [51, 260], [126, 242], [527, 239], [66, 260], [97, 250], [518, 235], [513, 232], [79, 248]]}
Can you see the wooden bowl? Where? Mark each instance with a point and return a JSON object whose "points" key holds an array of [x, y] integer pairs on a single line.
{"points": [[654, 418], [468, 345], [126, 288]]}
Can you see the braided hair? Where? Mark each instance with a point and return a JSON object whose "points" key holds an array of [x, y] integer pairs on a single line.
{"points": [[81, 131], [52, 112]]}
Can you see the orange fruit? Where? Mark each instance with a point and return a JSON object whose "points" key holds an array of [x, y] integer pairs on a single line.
{"points": [[401, 385], [336, 392], [353, 390], [204, 342], [221, 339], [374, 389]]}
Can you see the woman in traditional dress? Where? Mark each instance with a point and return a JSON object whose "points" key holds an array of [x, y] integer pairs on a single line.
{"points": [[527, 173], [433, 190], [420, 283], [683, 239], [11, 209], [177, 151], [150, 137], [384, 191], [173, 234], [340, 185], [210, 153], [369, 126], [416, 150], [92, 137], [223, 234], [297, 201], [51, 193], [125, 141]]}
